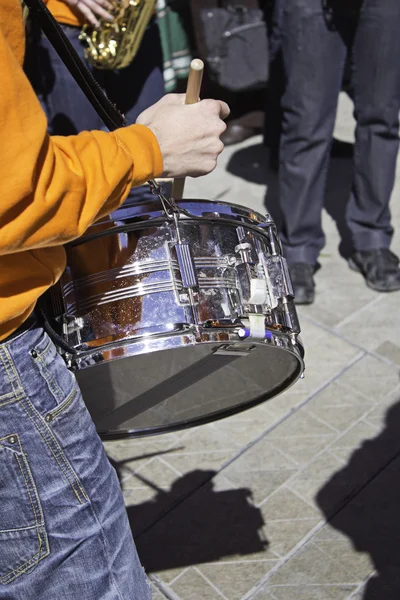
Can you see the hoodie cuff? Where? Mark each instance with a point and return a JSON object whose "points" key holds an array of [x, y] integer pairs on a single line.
{"points": [[142, 145]]}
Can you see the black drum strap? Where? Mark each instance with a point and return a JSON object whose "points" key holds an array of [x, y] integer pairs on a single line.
{"points": [[173, 385]]}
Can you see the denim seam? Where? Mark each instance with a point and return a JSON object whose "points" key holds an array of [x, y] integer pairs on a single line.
{"points": [[51, 443], [12, 399], [53, 385], [34, 506], [29, 492], [62, 407], [27, 484], [18, 529], [92, 508], [39, 525], [5, 579], [7, 363], [55, 450], [105, 549]]}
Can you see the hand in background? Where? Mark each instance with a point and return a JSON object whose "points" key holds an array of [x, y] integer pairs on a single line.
{"points": [[92, 10], [188, 134]]}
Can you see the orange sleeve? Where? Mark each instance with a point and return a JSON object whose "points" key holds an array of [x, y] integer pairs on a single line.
{"points": [[54, 187]]}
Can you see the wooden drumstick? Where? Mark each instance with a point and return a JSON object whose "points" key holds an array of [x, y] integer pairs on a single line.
{"points": [[192, 96]]}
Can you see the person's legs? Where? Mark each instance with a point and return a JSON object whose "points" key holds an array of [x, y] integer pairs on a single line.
{"points": [[132, 89], [138, 86], [141, 84], [376, 84], [67, 108], [313, 57], [64, 532]]}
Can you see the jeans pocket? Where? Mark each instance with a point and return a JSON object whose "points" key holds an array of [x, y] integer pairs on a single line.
{"points": [[52, 368], [23, 537]]}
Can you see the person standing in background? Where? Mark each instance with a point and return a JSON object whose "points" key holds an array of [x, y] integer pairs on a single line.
{"points": [[176, 33], [132, 89], [248, 106], [316, 37]]}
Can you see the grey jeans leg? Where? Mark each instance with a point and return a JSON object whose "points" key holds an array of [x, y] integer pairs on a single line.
{"points": [[313, 57], [376, 55]]}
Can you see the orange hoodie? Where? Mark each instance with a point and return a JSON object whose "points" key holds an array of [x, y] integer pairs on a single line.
{"points": [[52, 188]]}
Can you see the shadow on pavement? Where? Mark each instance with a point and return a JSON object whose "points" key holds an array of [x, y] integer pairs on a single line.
{"points": [[363, 502], [192, 523]]}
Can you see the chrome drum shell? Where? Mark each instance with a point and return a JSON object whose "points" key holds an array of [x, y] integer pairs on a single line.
{"points": [[172, 321]]}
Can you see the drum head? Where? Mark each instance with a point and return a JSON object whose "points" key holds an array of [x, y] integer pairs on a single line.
{"points": [[183, 387]]}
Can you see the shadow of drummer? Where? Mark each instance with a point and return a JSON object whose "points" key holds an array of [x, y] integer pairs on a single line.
{"points": [[193, 523], [362, 501]]}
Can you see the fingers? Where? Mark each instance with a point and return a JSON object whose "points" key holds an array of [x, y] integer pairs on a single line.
{"points": [[216, 107], [105, 4], [98, 10], [92, 9], [87, 13], [224, 110]]}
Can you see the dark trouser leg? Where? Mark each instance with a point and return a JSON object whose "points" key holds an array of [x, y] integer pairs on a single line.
{"points": [[376, 55], [132, 89], [141, 84], [313, 59], [138, 86], [67, 108]]}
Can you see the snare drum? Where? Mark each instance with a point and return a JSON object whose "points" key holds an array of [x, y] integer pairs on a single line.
{"points": [[173, 320]]}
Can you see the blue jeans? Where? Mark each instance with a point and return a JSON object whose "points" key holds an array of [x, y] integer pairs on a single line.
{"points": [[314, 47], [64, 532]]}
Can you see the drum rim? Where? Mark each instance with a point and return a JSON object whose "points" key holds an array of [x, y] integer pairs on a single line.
{"points": [[188, 201], [295, 350], [152, 210]]}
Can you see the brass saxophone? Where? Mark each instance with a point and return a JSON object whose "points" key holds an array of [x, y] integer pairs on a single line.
{"points": [[114, 45]]}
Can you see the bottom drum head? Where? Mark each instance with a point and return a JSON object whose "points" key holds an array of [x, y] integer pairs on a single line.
{"points": [[174, 389]]}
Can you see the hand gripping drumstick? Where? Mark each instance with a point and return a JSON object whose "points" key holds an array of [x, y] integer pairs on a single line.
{"points": [[192, 96]]}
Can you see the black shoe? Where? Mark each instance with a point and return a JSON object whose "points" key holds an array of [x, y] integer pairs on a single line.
{"points": [[301, 275], [236, 133], [380, 268]]}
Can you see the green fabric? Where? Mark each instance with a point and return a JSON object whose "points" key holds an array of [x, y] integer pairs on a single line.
{"points": [[174, 42]]}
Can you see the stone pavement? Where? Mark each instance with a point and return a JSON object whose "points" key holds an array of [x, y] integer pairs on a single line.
{"points": [[298, 498]]}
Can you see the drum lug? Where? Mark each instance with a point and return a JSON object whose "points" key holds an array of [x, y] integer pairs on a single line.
{"points": [[72, 325], [244, 250], [186, 265], [290, 316], [277, 277], [184, 298]]}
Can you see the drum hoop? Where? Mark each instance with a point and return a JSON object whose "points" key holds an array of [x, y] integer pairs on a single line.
{"points": [[163, 220], [183, 329]]}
